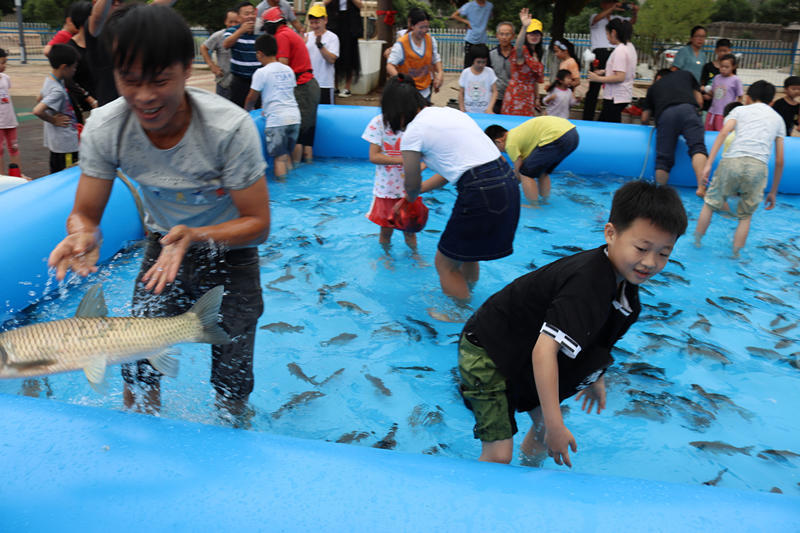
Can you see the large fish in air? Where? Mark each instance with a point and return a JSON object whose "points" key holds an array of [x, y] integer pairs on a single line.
{"points": [[91, 340]]}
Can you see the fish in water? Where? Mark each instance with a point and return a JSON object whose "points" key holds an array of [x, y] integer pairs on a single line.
{"points": [[282, 327], [675, 277], [324, 381], [768, 298], [716, 398], [425, 326], [676, 262], [766, 353], [555, 253], [716, 446], [778, 455], [288, 276], [713, 482], [296, 371], [434, 231], [91, 340], [706, 349], [568, 247], [776, 490], [785, 343], [351, 306], [736, 301], [297, 399], [645, 408], [444, 317], [777, 320], [353, 436], [784, 329], [415, 368], [325, 290], [378, 382], [341, 338], [388, 330], [645, 370], [319, 239], [537, 228], [702, 323], [421, 415], [388, 442]]}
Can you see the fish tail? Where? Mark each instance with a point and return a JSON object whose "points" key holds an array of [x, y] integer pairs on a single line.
{"points": [[207, 309]]}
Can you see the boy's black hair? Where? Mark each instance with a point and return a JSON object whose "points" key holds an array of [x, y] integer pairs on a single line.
{"points": [[730, 107], [400, 102], [790, 81], [662, 72], [3, 53], [723, 42], [660, 204], [79, 13], [240, 5], [761, 91], [417, 15], [267, 44], [155, 35], [495, 131], [729, 57], [623, 28], [62, 54], [478, 51]]}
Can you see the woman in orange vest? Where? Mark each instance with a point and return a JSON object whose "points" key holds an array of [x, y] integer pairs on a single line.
{"points": [[527, 72], [415, 55]]}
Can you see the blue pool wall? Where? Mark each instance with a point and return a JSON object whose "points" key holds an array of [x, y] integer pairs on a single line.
{"points": [[69, 467]]}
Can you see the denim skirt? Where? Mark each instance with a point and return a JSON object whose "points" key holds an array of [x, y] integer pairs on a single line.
{"points": [[485, 215]]}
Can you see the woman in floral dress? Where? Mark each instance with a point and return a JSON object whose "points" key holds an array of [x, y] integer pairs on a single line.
{"points": [[522, 93]]}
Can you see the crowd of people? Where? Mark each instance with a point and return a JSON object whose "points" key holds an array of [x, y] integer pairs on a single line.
{"points": [[197, 159]]}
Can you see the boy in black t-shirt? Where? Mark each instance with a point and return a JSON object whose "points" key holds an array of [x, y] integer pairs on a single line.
{"points": [[548, 334], [788, 107]]}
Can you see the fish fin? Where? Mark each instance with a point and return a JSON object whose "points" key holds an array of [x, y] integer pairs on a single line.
{"points": [[93, 304], [95, 371], [164, 363], [207, 309]]}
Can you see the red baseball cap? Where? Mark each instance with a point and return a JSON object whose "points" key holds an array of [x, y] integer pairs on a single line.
{"points": [[273, 14]]}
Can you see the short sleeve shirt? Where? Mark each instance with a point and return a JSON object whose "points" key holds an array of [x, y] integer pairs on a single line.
{"points": [[477, 89], [243, 53], [577, 301], [276, 84], [622, 59], [188, 183], [502, 68], [788, 112], [8, 118], [686, 59], [388, 178], [58, 139], [598, 35], [214, 44], [478, 17], [533, 133], [324, 71], [292, 47], [561, 102], [757, 127], [725, 89], [450, 141], [673, 89]]}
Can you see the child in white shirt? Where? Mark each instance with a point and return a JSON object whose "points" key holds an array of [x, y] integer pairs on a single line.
{"points": [[323, 50], [478, 83], [275, 83], [559, 97]]}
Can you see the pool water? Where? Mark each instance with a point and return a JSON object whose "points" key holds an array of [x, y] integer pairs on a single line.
{"points": [[349, 351]]}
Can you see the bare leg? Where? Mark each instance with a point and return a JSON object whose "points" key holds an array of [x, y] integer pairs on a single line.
{"points": [[698, 162], [297, 153], [411, 239], [662, 177], [703, 221], [451, 278], [533, 443], [308, 153], [386, 235], [740, 236], [471, 271], [530, 189], [498, 451], [150, 401], [281, 164], [544, 187]]}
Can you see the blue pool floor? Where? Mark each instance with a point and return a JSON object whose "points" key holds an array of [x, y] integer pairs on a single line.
{"points": [[712, 361]]}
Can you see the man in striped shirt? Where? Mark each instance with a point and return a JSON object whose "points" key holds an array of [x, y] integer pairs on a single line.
{"points": [[241, 40]]}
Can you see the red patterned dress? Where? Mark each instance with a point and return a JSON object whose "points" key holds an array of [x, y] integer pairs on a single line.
{"points": [[521, 91]]}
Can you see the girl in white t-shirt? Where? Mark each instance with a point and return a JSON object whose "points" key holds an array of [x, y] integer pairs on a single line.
{"points": [[478, 83], [559, 97], [384, 151], [617, 78]]}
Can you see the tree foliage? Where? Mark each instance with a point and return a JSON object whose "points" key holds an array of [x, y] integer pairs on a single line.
{"points": [[779, 12], [733, 11], [209, 14], [51, 12], [672, 20]]}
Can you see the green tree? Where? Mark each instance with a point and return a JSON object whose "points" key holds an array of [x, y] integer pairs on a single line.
{"points": [[779, 12], [672, 20], [209, 14], [51, 12], [733, 11]]}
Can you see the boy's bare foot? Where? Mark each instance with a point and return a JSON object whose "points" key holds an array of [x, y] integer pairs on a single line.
{"points": [[698, 240], [701, 192]]}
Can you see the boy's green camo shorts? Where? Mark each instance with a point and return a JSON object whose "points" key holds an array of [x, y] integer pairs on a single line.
{"points": [[485, 392]]}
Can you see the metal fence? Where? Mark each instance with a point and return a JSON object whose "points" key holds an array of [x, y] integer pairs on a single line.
{"points": [[758, 59]]}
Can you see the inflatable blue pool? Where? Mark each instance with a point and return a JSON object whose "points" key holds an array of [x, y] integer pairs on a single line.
{"points": [[74, 467]]}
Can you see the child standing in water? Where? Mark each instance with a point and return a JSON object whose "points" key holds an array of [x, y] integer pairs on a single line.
{"points": [[384, 152], [559, 97]]}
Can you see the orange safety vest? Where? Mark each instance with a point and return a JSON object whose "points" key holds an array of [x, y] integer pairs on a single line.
{"points": [[420, 68]]}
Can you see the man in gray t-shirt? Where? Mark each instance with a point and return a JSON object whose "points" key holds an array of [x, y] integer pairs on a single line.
{"points": [[198, 161], [222, 68], [286, 10]]}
